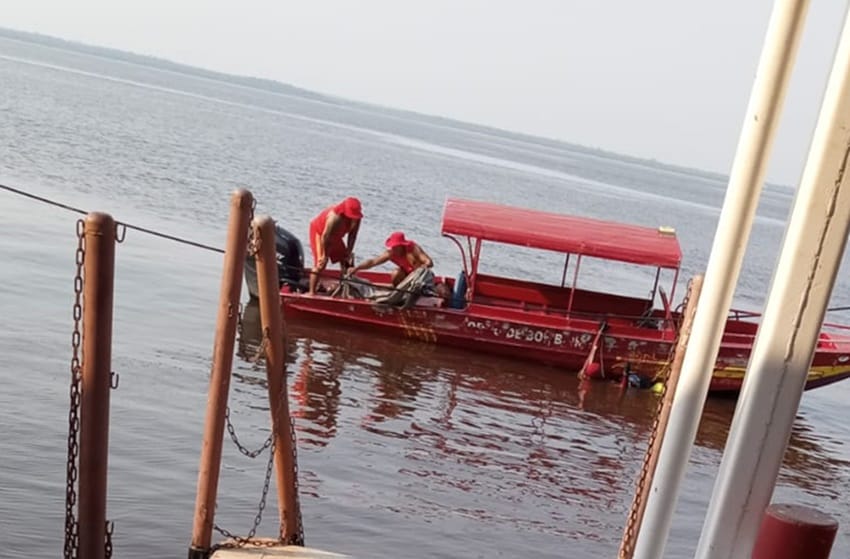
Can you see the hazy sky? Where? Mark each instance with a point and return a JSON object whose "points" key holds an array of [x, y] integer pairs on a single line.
{"points": [[664, 79]]}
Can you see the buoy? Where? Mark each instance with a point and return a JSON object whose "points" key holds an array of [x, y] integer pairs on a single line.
{"points": [[795, 532], [594, 371]]}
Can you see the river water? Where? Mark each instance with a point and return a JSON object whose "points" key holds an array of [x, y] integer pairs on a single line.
{"points": [[405, 450]]}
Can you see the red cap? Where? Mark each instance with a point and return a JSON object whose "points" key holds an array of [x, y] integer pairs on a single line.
{"points": [[397, 239], [351, 208]]}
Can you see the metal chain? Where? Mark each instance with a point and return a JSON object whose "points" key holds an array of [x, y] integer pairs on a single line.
{"points": [[626, 550], [243, 449], [110, 527], [269, 443], [72, 536], [298, 537], [230, 428], [252, 251], [71, 527], [239, 541], [240, 333], [252, 241], [292, 539]]}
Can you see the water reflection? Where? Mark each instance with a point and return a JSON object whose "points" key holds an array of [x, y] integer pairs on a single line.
{"points": [[316, 392], [492, 432]]}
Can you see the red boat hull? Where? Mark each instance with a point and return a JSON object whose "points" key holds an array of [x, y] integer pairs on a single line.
{"points": [[553, 339]]}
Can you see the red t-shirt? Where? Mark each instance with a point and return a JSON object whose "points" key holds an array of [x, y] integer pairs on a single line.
{"points": [[336, 248]]}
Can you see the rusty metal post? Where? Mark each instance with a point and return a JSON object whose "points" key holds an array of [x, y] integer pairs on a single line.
{"points": [[96, 382], [241, 204], [652, 451], [270, 316]]}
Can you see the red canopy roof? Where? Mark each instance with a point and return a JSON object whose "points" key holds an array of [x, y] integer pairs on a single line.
{"points": [[561, 233]]}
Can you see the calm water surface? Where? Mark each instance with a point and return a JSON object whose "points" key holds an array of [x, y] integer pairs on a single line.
{"points": [[405, 450]]}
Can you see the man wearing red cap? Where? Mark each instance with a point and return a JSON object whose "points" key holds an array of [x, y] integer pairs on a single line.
{"points": [[326, 233], [402, 252]]}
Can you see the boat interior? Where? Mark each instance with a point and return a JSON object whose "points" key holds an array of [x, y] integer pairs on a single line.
{"points": [[533, 296]]}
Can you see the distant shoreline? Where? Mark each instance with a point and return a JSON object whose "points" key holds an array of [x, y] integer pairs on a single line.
{"points": [[288, 89]]}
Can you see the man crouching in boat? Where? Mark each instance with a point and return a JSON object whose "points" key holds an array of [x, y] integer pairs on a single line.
{"points": [[326, 232], [402, 252]]}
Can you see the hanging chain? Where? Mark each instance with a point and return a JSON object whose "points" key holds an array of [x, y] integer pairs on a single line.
{"points": [[231, 430], [298, 537], [242, 448], [289, 539], [108, 543], [240, 334], [626, 550], [239, 541], [258, 356], [252, 251], [71, 534], [252, 241]]}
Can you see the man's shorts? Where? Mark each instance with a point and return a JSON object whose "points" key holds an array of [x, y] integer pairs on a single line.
{"points": [[336, 252]]}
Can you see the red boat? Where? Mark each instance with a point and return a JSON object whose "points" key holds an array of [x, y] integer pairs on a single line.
{"points": [[561, 325]]}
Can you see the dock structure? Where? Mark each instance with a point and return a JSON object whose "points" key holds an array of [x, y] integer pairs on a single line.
{"points": [[266, 549], [723, 269], [740, 522]]}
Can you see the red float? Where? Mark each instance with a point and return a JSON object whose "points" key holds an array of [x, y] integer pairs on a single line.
{"points": [[795, 532]]}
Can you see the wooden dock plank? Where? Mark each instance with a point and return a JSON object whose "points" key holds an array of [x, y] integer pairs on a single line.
{"points": [[264, 551]]}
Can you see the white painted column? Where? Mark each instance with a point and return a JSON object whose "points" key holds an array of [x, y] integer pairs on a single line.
{"points": [[802, 284], [724, 265]]}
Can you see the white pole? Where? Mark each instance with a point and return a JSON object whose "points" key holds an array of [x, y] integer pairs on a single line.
{"points": [[724, 265], [802, 284]]}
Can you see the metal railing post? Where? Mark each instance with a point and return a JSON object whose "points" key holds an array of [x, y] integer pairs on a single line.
{"points": [[241, 204], [96, 382], [272, 323], [724, 265]]}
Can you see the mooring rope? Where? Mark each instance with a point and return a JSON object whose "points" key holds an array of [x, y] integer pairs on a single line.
{"points": [[121, 223]]}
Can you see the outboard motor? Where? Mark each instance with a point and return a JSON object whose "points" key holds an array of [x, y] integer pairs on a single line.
{"points": [[290, 263]]}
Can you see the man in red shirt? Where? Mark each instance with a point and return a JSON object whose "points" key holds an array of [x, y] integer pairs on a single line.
{"points": [[326, 237], [404, 253]]}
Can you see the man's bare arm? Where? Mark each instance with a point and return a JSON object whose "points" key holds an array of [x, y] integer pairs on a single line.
{"points": [[352, 236], [372, 262], [422, 257], [331, 223]]}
